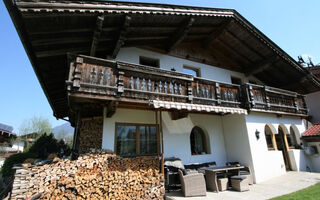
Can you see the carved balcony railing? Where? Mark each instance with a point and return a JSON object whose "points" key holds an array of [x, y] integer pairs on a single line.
{"points": [[125, 82], [275, 100], [137, 83]]}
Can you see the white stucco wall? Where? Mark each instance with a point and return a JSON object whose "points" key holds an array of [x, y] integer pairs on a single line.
{"points": [[176, 134], [268, 164], [314, 159], [236, 140], [313, 104], [168, 62]]}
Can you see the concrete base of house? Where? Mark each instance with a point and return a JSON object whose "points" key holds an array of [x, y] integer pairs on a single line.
{"points": [[285, 184]]}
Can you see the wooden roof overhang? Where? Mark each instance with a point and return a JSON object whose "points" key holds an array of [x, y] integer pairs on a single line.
{"points": [[220, 37]]}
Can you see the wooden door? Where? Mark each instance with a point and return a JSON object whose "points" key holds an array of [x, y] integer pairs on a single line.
{"points": [[282, 145]]}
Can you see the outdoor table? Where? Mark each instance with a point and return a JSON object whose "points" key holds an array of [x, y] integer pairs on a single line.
{"points": [[211, 175]]}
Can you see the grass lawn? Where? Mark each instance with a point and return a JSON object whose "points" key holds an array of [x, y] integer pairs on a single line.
{"points": [[310, 193]]}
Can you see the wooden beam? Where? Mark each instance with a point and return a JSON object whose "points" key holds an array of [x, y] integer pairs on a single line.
{"points": [[180, 34], [234, 51], [261, 65], [96, 35], [175, 115], [242, 42], [111, 108], [216, 34], [122, 36]]}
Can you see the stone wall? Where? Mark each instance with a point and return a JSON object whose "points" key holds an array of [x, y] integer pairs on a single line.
{"points": [[90, 136]]}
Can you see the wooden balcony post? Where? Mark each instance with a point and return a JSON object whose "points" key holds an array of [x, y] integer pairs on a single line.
{"points": [[251, 96], [218, 95], [77, 73], [190, 95], [296, 105], [120, 83], [266, 98]]}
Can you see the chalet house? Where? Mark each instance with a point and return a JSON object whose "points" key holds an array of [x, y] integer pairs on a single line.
{"points": [[199, 84], [312, 98]]}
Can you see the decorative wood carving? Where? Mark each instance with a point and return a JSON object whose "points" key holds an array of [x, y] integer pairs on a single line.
{"points": [[96, 35], [122, 36]]}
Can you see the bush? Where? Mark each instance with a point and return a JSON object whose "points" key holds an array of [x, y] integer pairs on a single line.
{"points": [[39, 149], [18, 158], [47, 144]]}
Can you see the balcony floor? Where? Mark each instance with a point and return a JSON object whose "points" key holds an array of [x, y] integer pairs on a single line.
{"points": [[285, 184]]}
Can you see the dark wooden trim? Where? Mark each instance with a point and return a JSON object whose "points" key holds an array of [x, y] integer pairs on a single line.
{"points": [[242, 42], [176, 114], [234, 51], [122, 36], [180, 34], [111, 108], [216, 34], [96, 35], [261, 65]]}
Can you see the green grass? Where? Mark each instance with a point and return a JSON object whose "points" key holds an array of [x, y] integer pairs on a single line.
{"points": [[310, 193]]}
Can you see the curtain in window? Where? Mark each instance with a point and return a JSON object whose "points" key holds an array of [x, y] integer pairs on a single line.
{"points": [[126, 140], [148, 140]]}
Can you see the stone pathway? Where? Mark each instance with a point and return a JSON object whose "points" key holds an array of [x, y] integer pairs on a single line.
{"points": [[285, 184]]}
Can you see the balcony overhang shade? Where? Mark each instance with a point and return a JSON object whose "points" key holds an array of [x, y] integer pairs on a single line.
{"points": [[196, 107]]}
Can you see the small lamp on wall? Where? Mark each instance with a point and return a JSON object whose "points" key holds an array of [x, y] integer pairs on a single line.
{"points": [[257, 134]]}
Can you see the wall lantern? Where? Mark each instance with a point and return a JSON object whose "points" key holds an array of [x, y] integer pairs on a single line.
{"points": [[257, 134]]}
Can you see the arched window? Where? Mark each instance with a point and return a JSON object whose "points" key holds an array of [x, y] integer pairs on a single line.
{"points": [[269, 132], [198, 141], [292, 139]]}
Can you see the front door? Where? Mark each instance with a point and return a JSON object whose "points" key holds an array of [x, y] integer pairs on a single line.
{"points": [[282, 145]]}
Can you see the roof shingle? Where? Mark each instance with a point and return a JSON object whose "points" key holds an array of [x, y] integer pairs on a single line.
{"points": [[313, 131]]}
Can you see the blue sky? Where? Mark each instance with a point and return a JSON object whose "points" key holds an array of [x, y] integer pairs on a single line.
{"points": [[292, 24]]}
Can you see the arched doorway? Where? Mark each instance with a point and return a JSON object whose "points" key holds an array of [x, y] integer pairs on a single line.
{"points": [[282, 144]]}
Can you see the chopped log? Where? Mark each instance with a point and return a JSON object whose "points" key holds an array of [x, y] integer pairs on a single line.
{"points": [[92, 176]]}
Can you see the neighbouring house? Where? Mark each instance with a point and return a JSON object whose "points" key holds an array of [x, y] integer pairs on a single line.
{"points": [[199, 84], [311, 139], [312, 99], [22, 141], [6, 137], [6, 133]]}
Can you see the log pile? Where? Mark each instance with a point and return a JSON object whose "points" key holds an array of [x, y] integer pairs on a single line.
{"points": [[90, 135], [96, 176]]}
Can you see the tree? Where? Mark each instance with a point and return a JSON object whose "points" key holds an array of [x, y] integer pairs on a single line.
{"points": [[35, 125], [62, 134]]}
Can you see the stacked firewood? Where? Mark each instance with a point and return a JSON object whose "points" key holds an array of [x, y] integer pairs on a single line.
{"points": [[98, 176], [90, 135]]}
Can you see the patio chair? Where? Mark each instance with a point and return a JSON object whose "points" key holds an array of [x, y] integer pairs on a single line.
{"points": [[192, 184], [213, 180], [246, 171], [240, 183]]}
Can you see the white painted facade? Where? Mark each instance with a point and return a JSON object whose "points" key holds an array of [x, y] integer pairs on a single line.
{"points": [[230, 137], [132, 55], [312, 101], [314, 159]]}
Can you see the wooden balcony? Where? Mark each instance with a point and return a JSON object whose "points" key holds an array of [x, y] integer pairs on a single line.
{"points": [[115, 81], [275, 100]]}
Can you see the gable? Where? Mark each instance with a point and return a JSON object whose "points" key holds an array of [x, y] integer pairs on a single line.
{"points": [[220, 37]]}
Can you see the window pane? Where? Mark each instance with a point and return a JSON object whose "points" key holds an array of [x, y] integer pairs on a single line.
{"points": [[278, 141], [290, 139], [148, 140], [269, 141], [197, 143], [193, 72], [126, 140], [268, 135]]}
